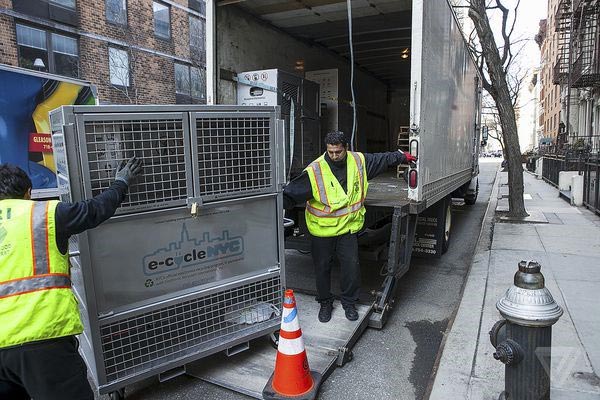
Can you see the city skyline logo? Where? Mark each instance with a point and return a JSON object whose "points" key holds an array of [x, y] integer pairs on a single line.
{"points": [[189, 252]]}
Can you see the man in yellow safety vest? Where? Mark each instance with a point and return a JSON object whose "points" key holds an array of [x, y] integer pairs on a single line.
{"points": [[334, 188], [39, 315]]}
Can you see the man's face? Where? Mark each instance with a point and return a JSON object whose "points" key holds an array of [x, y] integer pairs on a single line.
{"points": [[337, 152]]}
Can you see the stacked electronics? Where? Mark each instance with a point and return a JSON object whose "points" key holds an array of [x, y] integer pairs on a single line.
{"points": [[192, 262], [273, 87]]}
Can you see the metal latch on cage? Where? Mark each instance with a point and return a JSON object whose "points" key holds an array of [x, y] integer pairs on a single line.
{"points": [[194, 204]]}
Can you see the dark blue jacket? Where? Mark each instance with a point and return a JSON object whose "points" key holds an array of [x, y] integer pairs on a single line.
{"points": [[74, 218]]}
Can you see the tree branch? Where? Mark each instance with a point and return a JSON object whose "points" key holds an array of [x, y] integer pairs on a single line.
{"points": [[505, 36]]}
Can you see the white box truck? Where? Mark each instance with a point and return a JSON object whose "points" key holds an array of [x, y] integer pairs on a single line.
{"points": [[412, 68]]}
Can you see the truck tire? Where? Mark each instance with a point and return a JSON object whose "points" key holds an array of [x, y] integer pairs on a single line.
{"points": [[471, 198], [447, 226]]}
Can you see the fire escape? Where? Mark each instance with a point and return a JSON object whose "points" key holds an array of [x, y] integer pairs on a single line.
{"points": [[585, 68], [586, 39], [562, 25]]}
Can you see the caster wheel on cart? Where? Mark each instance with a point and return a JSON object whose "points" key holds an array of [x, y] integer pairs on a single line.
{"points": [[274, 339], [117, 394]]}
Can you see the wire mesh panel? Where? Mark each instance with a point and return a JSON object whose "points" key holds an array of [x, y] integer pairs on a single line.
{"points": [[136, 344], [161, 144], [235, 155]]}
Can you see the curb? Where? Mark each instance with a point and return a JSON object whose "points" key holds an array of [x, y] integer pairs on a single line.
{"points": [[483, 244]]}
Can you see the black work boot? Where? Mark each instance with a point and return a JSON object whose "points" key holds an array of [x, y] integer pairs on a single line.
{"points": [[325, 311], [351, 312]]}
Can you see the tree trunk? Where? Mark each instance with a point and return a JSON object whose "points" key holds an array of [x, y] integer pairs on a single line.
{"points": [[501, 95]]}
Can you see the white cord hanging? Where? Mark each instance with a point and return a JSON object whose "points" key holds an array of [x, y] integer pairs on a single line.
{"points": [[349, 7]]}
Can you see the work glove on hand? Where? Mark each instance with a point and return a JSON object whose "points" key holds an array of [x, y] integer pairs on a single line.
{"points": [[409, 157], [129, 170]]}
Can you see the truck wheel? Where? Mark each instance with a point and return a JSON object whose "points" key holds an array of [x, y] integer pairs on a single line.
{"points": [[447, 226], [471, 198]]}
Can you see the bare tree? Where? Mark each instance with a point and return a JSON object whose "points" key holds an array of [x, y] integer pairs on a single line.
{"points": [[497, 83]]}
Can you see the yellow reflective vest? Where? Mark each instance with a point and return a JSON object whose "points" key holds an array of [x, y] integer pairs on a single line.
{"points": [[36, 301], [333, 212]]}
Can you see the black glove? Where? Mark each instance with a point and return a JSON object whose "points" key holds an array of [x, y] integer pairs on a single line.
{"points": [[127, 171]]}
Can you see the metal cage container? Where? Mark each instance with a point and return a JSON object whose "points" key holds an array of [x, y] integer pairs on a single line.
{"points": [[158, 285]]}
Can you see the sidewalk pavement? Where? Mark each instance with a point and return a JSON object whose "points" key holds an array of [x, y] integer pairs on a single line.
{"points": [[568, 248]]}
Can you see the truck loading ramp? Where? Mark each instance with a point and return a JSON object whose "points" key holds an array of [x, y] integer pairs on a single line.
{"points": [[327, 346]]}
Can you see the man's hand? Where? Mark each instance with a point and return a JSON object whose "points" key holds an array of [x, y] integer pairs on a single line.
{"points": [[409, 157], [126, 172]]}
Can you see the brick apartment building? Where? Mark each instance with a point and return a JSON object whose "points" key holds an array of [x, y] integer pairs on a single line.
{"points": [[134, 51], [547, 39]]}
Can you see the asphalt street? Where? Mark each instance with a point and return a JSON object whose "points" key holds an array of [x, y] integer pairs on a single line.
{"points": [[397, 361]]}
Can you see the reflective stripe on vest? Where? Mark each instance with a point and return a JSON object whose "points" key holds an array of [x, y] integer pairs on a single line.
{"points": [[337, 213], [318, 175], [361, 172], [39, 238], [31, 284]]}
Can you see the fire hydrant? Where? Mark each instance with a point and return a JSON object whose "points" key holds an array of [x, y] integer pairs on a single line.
{"points": [[525, 335]]}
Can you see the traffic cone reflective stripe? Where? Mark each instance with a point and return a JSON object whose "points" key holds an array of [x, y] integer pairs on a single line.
{"points": [[292, 377]]}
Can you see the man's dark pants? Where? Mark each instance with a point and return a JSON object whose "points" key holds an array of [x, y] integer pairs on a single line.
{"points": [[326, 252], [45, 370]]}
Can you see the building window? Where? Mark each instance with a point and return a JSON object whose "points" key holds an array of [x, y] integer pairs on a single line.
{"points": [[197, 38], [66, 57], [64, 3], [162, 20], [190, 84], [116, 11], [62, 59], [197, 33], [197, 5], [118, 63]]}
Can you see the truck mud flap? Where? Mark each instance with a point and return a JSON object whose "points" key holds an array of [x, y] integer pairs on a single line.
{"points": [[429, 237], [327, 346]]}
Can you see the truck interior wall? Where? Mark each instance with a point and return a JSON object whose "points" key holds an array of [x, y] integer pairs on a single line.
{"points": [[399, 112], [245, 43]]}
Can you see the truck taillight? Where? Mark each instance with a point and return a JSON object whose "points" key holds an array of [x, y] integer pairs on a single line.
{"points": [[414, 148], [412, 178]]}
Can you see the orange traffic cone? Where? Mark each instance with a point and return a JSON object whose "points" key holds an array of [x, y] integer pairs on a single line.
{"points": [[292, 377]]}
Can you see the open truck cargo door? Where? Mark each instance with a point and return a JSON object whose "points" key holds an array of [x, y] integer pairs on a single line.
{"points": [[444, 116]]}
